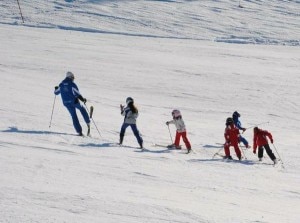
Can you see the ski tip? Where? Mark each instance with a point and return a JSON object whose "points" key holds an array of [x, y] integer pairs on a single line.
{"points": [[91, 111]]}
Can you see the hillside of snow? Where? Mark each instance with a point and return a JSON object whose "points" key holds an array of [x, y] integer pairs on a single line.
{"points": [[165, 54], [270, 22]]}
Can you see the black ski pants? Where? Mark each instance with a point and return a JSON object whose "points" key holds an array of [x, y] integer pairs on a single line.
{"points": [[268, 150]]}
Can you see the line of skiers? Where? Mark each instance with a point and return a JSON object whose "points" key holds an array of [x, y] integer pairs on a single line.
{"points": [[70, 97]]}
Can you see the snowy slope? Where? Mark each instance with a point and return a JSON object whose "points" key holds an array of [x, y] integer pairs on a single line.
{"points": [[255, 21], [52, 175]]}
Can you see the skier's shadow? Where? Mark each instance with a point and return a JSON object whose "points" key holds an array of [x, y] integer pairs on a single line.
{"points": [[244, 162], [153, 151], [107, 145], [114, 145], [38, 132], [102, 145], [207, 146]]}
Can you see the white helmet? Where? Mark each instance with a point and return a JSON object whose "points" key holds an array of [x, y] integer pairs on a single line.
{"points": [[128, 100], [70, 75], [176, 113]]}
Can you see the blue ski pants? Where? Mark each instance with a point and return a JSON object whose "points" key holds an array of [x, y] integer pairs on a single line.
{"points": [[72, 110], [135, 132], [244, 141]]}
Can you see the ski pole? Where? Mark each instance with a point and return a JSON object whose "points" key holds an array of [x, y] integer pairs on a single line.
{"points": [[20, 11], [240, 4], [52, 111], [170, 135], [217, 153], [93, 121], [257, 124], [243, 152], [278, 154]]}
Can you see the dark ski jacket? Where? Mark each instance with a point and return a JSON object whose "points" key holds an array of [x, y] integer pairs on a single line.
{"points": [[69, 92]]}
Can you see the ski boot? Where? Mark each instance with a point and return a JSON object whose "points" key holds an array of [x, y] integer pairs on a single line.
{"points": [[121, 139], [228, 157], [141, 145]]}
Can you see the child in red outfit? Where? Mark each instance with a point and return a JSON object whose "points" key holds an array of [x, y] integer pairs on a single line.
{"points": [[231, 139], [181, 131], [260, 141]]}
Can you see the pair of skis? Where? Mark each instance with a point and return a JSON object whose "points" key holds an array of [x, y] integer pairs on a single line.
{"points": [[171, 147]]}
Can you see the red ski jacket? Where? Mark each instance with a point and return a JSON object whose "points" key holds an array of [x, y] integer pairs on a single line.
{"points": [[260, 138], [232, 134]]}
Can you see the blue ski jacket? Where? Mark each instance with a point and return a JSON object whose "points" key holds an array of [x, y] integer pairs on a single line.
{"points": [[69, 92], [237, 123]]}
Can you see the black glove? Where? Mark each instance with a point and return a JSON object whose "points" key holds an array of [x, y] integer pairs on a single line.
{"points": [[56, 87], [167, 123], [254, 151], [82, 99]]}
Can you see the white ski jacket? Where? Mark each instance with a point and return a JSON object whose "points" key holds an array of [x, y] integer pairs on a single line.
{"points": [[130, 117], [179, 123]]}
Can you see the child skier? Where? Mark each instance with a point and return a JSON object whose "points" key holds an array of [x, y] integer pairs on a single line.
{"points": [[181, 130], [131, 113], [260, 141], [238, 124], [231, 139]]}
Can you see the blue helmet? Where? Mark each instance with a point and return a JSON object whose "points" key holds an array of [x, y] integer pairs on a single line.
{"points": [[236, 114]]}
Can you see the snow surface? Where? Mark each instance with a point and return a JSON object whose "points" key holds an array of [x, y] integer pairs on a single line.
{"points": [[166, 55]]}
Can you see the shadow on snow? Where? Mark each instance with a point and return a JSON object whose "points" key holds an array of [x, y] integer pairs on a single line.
{"points": [[115, 145], [16, 130], [244, 162]]}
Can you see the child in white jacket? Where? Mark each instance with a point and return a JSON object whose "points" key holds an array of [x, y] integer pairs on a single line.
{"points": [[181, 131]]}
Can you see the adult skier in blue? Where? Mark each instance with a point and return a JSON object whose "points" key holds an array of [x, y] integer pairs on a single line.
{"points": [[238, 124], [70, 97]]}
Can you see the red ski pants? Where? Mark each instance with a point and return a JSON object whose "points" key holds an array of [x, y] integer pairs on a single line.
{"points": [[236, 149], [185, 139]]}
